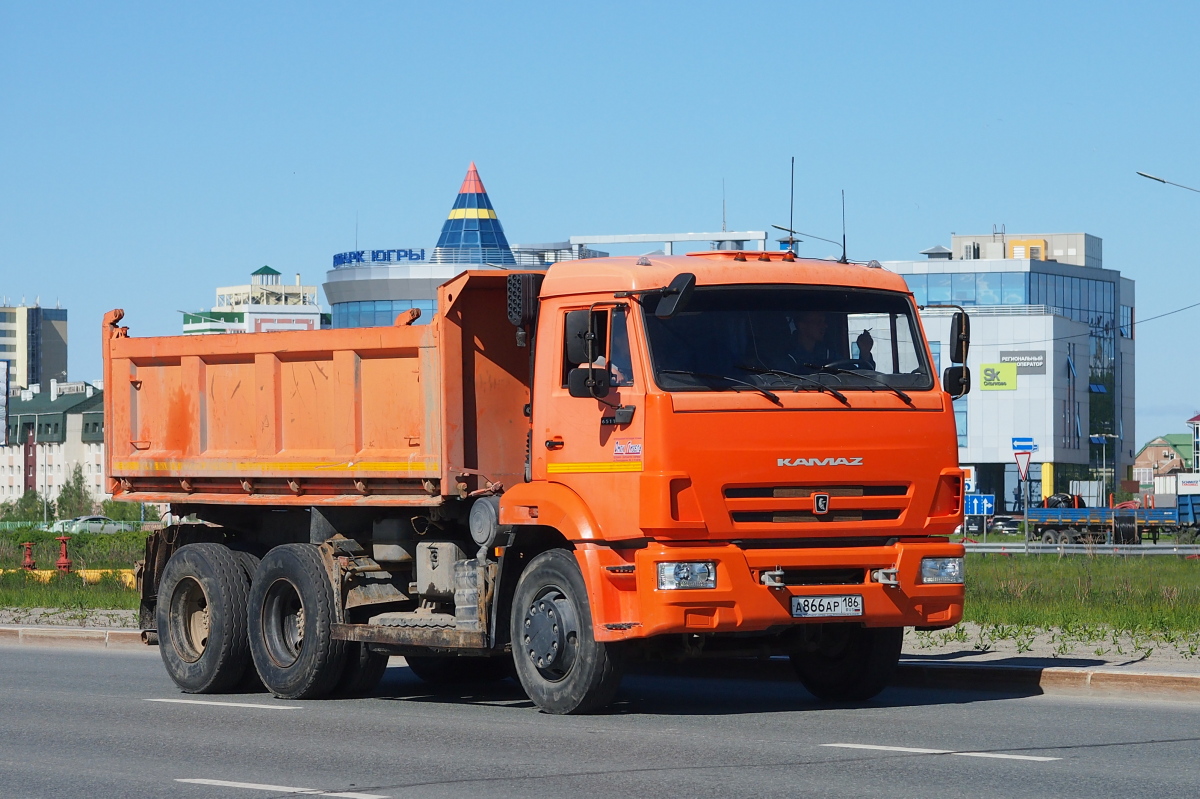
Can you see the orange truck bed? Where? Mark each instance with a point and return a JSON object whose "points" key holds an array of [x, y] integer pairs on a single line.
{"points": [[370, 416]]}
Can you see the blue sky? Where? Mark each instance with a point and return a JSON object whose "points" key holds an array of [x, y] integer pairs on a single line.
{"points": [[151, 152]]}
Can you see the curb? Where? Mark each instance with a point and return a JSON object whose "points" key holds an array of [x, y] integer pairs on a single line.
{"points": [[1048, 680], [82, 637]]}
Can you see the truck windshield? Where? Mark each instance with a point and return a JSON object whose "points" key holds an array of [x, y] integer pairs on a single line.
{"points": [[785, 337]]}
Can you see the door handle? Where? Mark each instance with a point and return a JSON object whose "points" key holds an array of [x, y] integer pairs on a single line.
{"points": [[555, 443]]}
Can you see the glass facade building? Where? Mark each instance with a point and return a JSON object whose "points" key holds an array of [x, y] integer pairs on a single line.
{"points": [[1073, 317], [379, 313], [370, 288]]}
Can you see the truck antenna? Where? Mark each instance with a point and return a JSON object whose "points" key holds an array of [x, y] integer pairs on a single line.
{"points": [[843, 260], [792, 210]]}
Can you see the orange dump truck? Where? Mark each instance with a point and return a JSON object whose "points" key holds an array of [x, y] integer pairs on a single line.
{"points": [[735, 454]]}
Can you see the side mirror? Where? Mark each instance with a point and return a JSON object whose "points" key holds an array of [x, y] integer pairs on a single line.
{"points": [[957, 381], [585, 382], [960, 337], [579, 343], [675, 297]]}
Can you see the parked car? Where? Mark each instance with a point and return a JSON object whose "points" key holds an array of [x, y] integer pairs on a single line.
{"points": [[1006, 524], [87, 524], [62, 526], [95, 524]]}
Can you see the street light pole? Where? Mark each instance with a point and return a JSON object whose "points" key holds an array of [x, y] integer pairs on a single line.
{"points": [[1168, 182]]}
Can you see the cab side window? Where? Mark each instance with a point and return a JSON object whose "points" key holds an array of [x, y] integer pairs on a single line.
{"points": [[621, 360]]}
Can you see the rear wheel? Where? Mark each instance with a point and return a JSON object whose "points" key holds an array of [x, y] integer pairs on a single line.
{"points": [[850, 662], [454, 670], [1049, 537], [561, 666], [1065, 538], [201, 618], [290, 618]]}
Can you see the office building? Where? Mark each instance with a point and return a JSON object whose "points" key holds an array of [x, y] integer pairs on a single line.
{"points": [[1052, 355], [263, 304], [33, 344]]}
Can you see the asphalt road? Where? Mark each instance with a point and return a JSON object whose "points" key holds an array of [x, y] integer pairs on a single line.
{"points": [[85, 723]]}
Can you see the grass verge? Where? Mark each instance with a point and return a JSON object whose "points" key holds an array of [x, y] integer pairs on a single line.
{"points": [[1124, 593]]}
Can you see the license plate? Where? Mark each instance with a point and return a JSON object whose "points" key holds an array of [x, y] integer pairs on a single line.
{"points": [[807, 607]]}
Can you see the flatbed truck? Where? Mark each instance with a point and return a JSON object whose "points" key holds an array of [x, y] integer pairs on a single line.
{"points": [[562, 471]]}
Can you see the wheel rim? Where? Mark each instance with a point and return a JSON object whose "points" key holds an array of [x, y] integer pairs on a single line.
{"points": [[551, 637], [283, 623], [189, 619]]}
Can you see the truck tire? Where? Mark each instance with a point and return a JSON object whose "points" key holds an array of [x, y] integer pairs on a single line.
{"points": [[248, 562], [291, 623], [561, 666], [454, 670], [201, 619], [363, 671], [1049, 537], [851, 663]]}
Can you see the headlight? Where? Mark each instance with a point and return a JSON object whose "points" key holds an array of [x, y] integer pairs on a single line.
{"points": [[941, 570], [691, 574]]}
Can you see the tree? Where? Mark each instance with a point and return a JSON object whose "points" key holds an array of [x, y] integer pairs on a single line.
{"points": [[27, 509], [125, 511], [75, 499]]}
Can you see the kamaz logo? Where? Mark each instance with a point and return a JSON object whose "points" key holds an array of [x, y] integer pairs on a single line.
{"points": [[819, 462]]}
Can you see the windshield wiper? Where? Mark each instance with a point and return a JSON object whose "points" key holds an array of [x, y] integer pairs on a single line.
{"points": [[837, 370], [771, 395], [820, 386]]}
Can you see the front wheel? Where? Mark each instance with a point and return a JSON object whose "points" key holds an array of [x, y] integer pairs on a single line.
{"points": [[291, 619], [559, 663], [850, 663]]}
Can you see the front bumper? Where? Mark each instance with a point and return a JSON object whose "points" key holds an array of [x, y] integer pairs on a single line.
{"points": [[627, 603]]}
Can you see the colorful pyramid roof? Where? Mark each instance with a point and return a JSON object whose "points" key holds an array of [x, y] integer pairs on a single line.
{"points": [[472, 233]]}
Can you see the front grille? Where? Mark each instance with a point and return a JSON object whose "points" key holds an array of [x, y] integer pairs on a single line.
{"points": [[787, 492], [824, 576], [794, 504], [798, 516]]}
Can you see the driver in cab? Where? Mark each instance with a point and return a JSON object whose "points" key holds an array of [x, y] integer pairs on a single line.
{"points": [[811, 348]]}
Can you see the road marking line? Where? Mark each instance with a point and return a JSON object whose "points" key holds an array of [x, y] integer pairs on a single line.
{"points": [[225, 704], [1007, 757], [916, 751], [909, 749], [254, 786]]}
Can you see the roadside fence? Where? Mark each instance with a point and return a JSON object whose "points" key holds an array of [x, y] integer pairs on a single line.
{"points": [[1038, 548]]}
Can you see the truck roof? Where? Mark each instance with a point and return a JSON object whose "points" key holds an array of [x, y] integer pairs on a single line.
{"points": [[718, 267]]}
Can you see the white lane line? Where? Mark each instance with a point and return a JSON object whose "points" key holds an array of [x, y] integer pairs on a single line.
{"points": [[254, 786], [1000, 756], [225, 704], [915, 751], [909, 749]]}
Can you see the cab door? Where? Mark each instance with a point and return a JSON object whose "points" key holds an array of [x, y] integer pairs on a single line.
{"points": [[590, 444]]}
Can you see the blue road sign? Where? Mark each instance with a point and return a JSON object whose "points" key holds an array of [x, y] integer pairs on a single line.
{"points": [[979, 504], [1023, 445]]}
